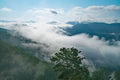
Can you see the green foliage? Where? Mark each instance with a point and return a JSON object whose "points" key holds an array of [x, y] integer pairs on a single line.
{"points": [[18, 64], [117, 75], [7, 50], [69, 65], [101, 74], [49, 74]]}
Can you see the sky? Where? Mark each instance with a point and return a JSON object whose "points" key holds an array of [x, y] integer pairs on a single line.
{"points": [[26, 4], [19, 9]]}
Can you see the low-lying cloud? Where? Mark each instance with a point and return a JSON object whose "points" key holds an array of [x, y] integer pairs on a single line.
{"points": [[99, 51], [95, 49]]}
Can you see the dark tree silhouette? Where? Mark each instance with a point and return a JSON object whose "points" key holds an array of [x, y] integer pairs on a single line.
{"points": [[69, 65]]}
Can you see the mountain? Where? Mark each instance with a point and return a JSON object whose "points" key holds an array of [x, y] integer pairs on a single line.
{"points": [[13, 38], [6, 21], [17, 63], [20, 62], [102, 30]]}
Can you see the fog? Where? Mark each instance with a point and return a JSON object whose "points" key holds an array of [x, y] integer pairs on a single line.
{"points": [[48, 30], [97, 50]]}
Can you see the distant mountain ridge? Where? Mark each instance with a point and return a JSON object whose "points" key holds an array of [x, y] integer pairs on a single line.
{"points": [[108, 31]]}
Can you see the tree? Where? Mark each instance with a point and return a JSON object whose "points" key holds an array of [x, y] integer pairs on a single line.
{"points": [[69, 65], [117, 75], [101, 74]]}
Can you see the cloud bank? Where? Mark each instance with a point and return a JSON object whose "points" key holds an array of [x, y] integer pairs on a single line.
{"points": [[107, 14], [96, 50], [52, 35]]}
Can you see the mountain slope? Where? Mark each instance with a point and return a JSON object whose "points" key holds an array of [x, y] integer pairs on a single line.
{"points": [[18, 64], [108, 31]]}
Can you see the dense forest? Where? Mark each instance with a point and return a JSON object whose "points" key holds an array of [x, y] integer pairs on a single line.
{"points": [[18, 64]]}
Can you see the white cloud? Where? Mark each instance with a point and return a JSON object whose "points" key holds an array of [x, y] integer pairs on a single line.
{"points": [[107, 14], [95, 8], [113, 7], [5, 9], [46, 11], [110, 7], [47, 15], [98, 50], [52, 35]]}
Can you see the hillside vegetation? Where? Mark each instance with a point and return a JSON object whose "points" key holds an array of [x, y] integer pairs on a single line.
{"points": [[18, 64]]}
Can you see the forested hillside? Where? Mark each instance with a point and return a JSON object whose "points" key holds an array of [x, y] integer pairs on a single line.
{"points": [[17, 64]]}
